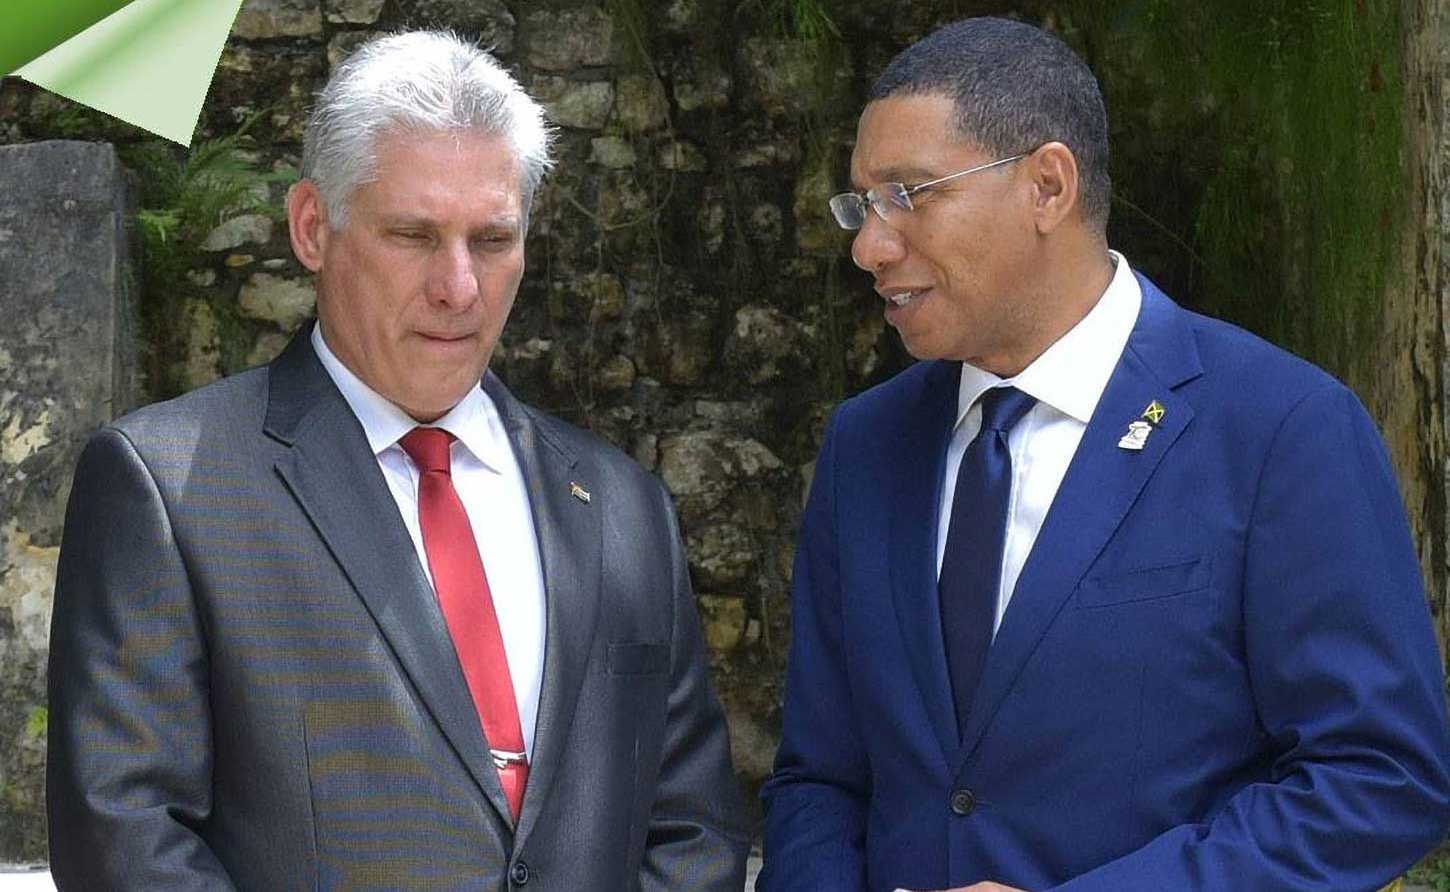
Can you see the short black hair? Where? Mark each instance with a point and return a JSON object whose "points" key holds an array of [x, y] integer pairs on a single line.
{"points": [[1015, 87]]}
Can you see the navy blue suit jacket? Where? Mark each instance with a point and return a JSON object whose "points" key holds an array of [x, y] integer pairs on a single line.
{"points": [[1217, 670]]}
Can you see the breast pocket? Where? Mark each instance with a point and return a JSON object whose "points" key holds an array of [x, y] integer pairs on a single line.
{"points": [[638, 658], [1151, 583]]}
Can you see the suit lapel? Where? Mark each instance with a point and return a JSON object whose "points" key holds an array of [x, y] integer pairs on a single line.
{"points": [[570, 551], [1101, 485], [915, 506], [334, 476]]}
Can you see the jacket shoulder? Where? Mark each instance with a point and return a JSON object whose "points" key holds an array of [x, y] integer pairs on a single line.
{"points": [[219, 411], [897, 394], [1252, 371], [1219, 366]]}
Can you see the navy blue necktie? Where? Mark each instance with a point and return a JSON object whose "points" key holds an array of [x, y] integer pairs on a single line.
{"points": [[972, 563]]}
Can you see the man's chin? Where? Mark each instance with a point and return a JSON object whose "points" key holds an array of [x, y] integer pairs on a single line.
{"points": [[426, 405], [923, 349]]}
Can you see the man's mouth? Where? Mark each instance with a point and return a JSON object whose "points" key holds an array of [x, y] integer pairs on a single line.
{"points": [[902, 298]]}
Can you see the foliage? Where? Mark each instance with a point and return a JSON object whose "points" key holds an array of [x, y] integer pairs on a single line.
{"points": [[1298, 107], [71, 120], [183, 197], [804, 20], [810, 28], [1433, 872], [56, 117]]}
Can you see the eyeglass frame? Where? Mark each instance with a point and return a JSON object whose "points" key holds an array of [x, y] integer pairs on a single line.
{"points": [[901, 196]]}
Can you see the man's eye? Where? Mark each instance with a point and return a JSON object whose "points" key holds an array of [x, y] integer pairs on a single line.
{"points": [[496, 240]]}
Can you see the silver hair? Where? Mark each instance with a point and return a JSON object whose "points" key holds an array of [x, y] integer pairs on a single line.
{"points": [[416, 82]]}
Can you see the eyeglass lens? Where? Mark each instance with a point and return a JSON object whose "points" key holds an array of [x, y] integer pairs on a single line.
{"points": [[849, 208]]}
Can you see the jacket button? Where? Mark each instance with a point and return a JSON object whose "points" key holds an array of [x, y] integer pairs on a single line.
{"points": [[519, 873], [963, 801]]}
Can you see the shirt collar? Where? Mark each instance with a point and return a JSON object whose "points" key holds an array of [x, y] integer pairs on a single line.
{"points": [[1071, 375], [474, 420]]}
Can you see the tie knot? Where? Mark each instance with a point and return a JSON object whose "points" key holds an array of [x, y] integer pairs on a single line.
{"points": [[1003, 407], [428, 448]]}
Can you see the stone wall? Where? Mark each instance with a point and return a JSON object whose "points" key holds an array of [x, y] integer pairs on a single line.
{"points": [[676, 301], [67, 365], [687, 295]]}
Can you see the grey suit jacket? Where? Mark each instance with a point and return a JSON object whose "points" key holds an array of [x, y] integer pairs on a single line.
{"points": [[252, 686]]}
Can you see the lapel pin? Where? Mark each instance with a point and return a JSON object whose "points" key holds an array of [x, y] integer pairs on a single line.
{"points": [[579, 492], [1137, 436]]}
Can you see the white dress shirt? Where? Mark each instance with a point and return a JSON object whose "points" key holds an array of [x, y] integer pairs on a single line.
{"points": [[491, 486], [1067, 380]]}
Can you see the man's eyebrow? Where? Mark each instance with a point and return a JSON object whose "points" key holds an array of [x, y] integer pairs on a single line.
{"points": [[412, 221], [907, 175], [502, 221], [407, 221]]}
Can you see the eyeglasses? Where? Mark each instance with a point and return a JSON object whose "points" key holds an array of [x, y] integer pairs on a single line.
{"points": [[849, 208]]}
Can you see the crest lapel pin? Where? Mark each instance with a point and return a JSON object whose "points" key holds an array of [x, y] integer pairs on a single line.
{"points": [[1136, 436], [579, 492]]}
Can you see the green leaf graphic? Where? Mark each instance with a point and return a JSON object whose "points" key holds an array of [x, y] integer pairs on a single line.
{"points": [[148, 62], [28, 30]]}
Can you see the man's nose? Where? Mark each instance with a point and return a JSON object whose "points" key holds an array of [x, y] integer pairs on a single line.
{"points": [[452, 278], [876, 244]]}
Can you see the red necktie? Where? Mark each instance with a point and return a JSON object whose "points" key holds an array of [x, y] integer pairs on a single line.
{"points": [[462, 589]]}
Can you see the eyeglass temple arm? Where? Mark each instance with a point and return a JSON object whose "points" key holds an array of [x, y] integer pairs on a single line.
{"points": [[961, 173]]}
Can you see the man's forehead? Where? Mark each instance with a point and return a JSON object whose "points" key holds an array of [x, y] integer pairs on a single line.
{"points": [[441, 166], [412, 193], [905, 138], [402, 148]]}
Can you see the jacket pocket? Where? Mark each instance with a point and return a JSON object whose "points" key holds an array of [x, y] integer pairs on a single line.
{"points": [[1145, 583], [638, 658]]}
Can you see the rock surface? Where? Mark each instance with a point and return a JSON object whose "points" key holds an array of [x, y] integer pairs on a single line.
{"points": [[267, 19], [283, 302], [68, 363]]}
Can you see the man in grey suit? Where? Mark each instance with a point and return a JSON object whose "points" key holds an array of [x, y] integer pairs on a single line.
{"points": [[357, 620]]}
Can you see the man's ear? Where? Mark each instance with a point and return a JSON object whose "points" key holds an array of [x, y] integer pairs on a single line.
{"points": [[307, 224], [1055, 183]]}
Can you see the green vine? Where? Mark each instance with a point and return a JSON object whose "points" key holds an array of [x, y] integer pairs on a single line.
{"points": [[813, 36], [804, 20], [632, 18]]}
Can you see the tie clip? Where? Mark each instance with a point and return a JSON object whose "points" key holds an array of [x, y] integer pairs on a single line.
{"points": [[503, 758]]}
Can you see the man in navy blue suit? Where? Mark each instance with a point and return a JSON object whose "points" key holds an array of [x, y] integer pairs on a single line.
{"points": [[1101, 595]]}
